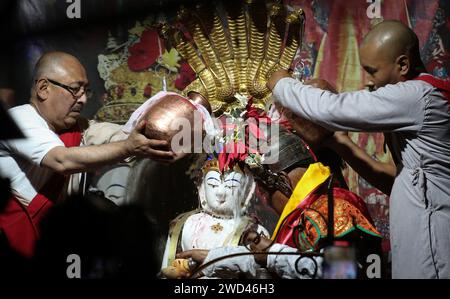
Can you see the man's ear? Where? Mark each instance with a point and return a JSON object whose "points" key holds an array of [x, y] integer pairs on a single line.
{"points": [[41, 88], [403, 64]]}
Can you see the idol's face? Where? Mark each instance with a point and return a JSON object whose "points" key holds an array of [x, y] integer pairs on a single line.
{"points": [[222, 191]]}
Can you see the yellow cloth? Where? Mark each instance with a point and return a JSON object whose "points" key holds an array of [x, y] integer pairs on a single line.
{"points": [[314, 176]]}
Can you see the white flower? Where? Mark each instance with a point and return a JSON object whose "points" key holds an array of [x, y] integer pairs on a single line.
{"points": [[243, 100]]}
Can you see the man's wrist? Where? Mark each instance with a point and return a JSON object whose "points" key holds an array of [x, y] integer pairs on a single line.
{"points": [[128, 149], [338, 139]]}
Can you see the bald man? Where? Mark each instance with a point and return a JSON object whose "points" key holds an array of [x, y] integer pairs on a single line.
{"points": [[413, 109], [38, 165]]}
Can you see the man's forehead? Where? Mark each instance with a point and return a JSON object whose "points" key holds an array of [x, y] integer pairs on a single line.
{"points": [[378, 51], [369, 55], [368, 50], [75, 74]]}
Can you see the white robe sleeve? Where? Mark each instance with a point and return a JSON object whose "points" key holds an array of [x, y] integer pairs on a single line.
{"points": [[398, 107], [40, 139], [230, 267], [103, 132], [285, 265]]}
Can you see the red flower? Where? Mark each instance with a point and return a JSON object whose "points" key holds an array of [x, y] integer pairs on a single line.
{"points": [[145, 52], [186, 76], [233, 153]]}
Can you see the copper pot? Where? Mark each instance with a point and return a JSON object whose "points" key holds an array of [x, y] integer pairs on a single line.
{"points": [[162, 117]]}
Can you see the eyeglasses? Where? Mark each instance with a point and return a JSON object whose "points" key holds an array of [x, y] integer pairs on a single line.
{"points": [[76, 92]]}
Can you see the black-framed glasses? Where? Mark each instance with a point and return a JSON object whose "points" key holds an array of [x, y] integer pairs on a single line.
{"points": [[76, 92]]}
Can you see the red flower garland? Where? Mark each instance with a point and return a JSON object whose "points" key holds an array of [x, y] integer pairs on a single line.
{"points": [[145, 52]]}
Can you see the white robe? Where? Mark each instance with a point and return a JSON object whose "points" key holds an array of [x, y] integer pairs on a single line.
{"points": [[418, 116]]}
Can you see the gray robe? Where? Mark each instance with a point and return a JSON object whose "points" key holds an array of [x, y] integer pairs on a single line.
{"points": [[418, 116]]}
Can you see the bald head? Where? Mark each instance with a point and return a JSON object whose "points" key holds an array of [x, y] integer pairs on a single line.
{"points": [[59, 89], [390, 53], [393, 38], [53, 64]]}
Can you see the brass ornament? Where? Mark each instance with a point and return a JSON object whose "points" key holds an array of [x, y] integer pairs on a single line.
{"points": [[234, 47], [216, 228]]}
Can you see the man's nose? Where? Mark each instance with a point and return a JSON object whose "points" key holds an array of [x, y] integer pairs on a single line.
{"points": [[82, 99]]}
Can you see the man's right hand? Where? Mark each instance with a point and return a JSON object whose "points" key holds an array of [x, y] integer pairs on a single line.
{"points": [[322, 84], [141, 146], [198, 255]]}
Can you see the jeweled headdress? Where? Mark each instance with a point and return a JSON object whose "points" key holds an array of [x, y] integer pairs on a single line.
{"points": [[234, 47]]}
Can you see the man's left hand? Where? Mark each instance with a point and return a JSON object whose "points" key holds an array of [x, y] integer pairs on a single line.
{"points": [[277, 76], [198, 255], [139, 145]]}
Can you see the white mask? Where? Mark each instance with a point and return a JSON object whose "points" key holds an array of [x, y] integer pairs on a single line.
{"points": [[222, 192]]}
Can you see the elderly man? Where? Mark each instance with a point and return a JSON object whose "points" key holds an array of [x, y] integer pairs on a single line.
{"points": [[414, 107], [37, 165]]}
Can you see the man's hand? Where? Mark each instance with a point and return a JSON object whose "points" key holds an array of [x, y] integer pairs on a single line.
{"points": [[277, 76], [337, 138], [277, 199], [313, 134], [198, 255], [322, 84], [141, 146], [378, 174]]}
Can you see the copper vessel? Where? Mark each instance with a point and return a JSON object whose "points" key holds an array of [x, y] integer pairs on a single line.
{"points": [[163, 115]]}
